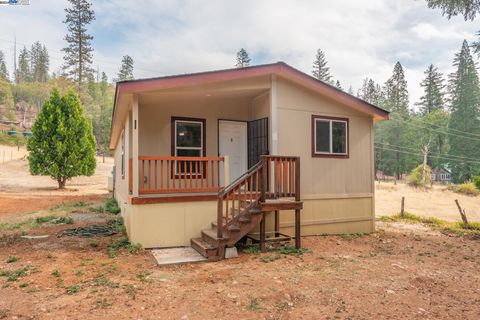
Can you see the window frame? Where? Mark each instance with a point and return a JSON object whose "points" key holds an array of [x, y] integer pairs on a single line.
{"points": [[330, 154], [122, 154], [174, 147]]}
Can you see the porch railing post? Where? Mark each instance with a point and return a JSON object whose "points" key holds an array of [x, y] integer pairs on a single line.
{"points": [[226, 171], [263, 179], [220, 217]]}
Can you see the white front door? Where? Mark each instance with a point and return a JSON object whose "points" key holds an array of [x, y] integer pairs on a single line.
{"points": [[232, 142]]}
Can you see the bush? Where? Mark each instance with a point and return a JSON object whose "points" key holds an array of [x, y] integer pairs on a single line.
{"points": [[112, 206], [415, 177], [467, 188], [476, 182]]}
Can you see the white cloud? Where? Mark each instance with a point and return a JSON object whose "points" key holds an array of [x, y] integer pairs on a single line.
{"points": [[361, 38]]}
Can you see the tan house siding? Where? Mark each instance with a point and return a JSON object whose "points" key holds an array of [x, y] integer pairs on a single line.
{"points": [[336, 192], [155, 121]]}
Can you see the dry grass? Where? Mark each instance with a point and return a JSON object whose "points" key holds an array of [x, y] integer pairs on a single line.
{"points": [[438, 202]]}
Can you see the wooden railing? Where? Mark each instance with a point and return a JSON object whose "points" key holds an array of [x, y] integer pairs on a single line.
{"points": [[168, 174], [273, 177], [282, 175]]}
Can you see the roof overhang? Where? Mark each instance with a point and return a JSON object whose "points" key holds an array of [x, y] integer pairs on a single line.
{"points": [[126, 89]]}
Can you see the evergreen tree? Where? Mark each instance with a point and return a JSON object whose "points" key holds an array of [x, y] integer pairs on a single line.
{"points": [[3, 67], [433, 98], [23, 73], [62, 145], [126, 69], [392, 132], [467, 8], [465, 114], [338, 85], [104, 84], [78, 53], [320, 69], [396, 92], [243, 60], [370, 92], [39, 62]]}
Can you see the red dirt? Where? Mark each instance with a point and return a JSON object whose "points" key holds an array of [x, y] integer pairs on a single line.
{"points": [[397, 274], [13, 205]]}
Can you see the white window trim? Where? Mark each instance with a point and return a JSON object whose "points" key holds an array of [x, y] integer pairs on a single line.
{"points": [[189, 148], [330, 121]]}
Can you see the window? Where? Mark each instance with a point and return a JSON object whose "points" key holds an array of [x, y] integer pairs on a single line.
{"points": [[123, 154], [329, 137], [188, 140]]}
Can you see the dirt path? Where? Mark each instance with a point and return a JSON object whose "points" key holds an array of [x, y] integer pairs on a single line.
{"points": [[437, 202], [21, 192], [401, 273]]}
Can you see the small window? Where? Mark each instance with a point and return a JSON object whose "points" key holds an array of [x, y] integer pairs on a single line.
{"points": [[188, 137], [123, 154], [329, 137]]}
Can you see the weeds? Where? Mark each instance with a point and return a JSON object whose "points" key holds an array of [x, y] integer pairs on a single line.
{"points": [[467, 188], [442, 225], [16, 274], [75, 288], [94, 244], [254, 304], [111, 206], [252, 249], [131, 291], [351, 236], [56, 273], [288, 250], [144, 277], [268, 259], [12, 259], [125, 244], [23, 285]]}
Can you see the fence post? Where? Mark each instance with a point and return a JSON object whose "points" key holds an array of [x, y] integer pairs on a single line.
{"points": [[462, 214], [220, 217], [402, 210]]}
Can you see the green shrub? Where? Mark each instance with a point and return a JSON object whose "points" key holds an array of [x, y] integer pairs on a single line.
{"points": [[415, 177], [467, 188], [476, 182], [112, 206], [12, 259]]}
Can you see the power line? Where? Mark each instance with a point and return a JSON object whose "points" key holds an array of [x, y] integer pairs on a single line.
{"points": [[430, 153], [420, 155], [445, 133]]}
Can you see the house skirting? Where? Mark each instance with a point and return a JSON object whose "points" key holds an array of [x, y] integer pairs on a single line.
{"points": [[175, 223]]}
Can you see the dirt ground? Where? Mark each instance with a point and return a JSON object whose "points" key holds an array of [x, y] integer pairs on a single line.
{"points": [[400, 272], [437, 202], [21, 192]]}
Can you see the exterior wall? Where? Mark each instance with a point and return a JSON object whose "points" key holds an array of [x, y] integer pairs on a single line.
{"points": [[168, 224], [261, 106], [336, 192], [155, 121]]}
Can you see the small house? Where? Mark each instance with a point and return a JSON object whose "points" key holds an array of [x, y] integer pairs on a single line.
{"points": [[441, 175], [204, 159]]}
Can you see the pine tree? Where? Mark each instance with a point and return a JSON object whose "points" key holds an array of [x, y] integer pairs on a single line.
{"points": [[23, 73], [465, 114], [370, 92], [338, 85], [243, 60], [392, 132], [396, 92], [78, 53], [320, 69], [39, 62], [467, 8], [433, 87], [126, 69], [62, 145], [3, 67], [104, 84]]}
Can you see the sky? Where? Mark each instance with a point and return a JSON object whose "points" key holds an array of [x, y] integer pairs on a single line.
{"points": [[361, 38]]}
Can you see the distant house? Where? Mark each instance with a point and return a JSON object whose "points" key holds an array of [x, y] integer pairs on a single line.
{"points": [[441, 175], [204, 159]]}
